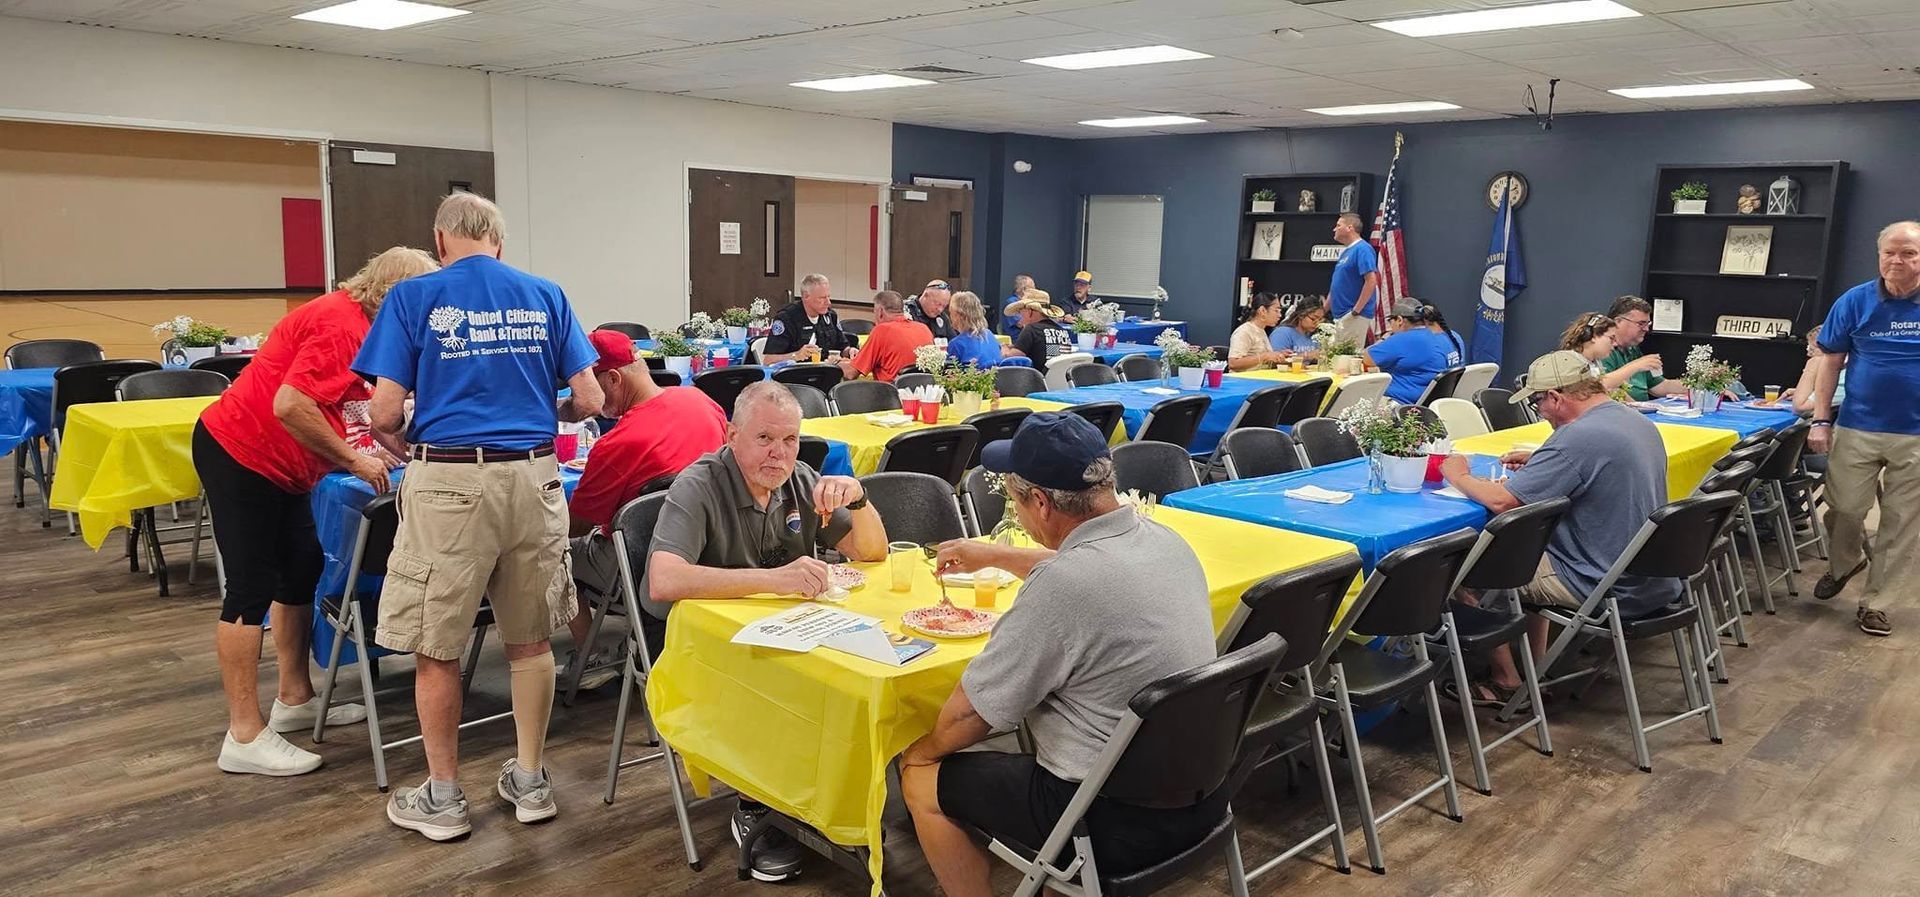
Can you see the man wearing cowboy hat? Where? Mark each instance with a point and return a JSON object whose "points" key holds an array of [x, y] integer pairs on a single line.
{"points": [[1041, 337]]}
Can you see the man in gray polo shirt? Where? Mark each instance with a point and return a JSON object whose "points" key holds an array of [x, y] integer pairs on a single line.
{"points": [[750, 519], [1112, 603]]}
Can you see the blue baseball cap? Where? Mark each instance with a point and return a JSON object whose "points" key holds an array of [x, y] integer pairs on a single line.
{"points": [[1051, 449]]}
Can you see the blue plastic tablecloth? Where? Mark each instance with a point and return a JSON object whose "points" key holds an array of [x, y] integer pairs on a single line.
{"points": [[1137, 331], [26, 405], [1227, 399], [1375, 524], [1121, 350], [1743, 419]]}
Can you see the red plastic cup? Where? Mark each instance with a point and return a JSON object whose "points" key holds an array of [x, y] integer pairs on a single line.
{"points": [[566, 446], [910, 407], [1215, 376], [721, 361], [1433, 468], [929, 412]]}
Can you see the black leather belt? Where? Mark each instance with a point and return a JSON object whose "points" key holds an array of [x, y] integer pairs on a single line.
{"points": [[442, 454]]}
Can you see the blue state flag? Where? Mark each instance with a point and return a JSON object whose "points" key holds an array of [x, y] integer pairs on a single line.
{"points": [[1504, 278]]}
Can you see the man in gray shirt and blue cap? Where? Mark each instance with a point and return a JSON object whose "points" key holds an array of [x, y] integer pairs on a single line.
{"points": [[1111, 603]]}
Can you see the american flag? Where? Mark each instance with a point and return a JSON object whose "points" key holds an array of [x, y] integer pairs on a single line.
{"points": [[1390, 241]]}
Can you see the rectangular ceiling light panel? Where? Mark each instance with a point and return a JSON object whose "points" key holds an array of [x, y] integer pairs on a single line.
{"points": [[1101, 59], [380, 15], [1510, 17]]}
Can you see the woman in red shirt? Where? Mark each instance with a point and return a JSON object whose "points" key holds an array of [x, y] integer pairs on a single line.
{"points": [[295, 414]]}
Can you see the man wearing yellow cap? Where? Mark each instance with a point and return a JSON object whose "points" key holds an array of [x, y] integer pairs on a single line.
{"points": [[1082, 293]]}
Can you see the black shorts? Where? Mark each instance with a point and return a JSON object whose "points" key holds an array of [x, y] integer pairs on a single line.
{"points": [[1012, 798], [265, 535]]}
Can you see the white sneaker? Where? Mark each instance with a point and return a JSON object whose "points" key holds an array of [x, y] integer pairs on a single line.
{"points": [[293, 718], [267, 754]]}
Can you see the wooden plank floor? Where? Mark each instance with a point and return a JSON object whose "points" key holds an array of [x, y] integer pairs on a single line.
{"points": [[123, 323], [112, 715]]}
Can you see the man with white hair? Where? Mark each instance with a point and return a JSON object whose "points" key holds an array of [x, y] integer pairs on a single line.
{"points": [[482, 348], [1010, 323], [1873, 333], [807, 329], [930, 308]]}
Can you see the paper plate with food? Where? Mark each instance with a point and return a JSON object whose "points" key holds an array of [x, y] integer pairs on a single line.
{"points": [[945, 620], [575, 464]]}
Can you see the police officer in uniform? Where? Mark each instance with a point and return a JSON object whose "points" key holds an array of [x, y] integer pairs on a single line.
{"points": [[808, 330], [930, 308]]}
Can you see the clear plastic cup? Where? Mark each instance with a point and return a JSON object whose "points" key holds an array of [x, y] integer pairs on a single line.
{"points": [[1772, 392], [902, 558], [986, 589]]}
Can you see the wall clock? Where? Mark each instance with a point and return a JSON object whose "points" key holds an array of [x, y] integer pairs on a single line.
{"points": [[1514, 183]]}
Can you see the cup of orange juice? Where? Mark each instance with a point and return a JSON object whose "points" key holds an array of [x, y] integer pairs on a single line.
{"points": [[1298, 365], [1772, 394], [986, 588]]}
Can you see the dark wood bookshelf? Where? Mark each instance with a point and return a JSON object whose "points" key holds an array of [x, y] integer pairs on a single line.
{"points": [[1294, 273], [1683, 262]]}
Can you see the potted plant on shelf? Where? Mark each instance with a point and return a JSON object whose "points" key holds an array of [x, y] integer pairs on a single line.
{"points": [[1690, 199], [669, 344], [1338, 354], [189, 340], [1263, 200], [1190, 360], [1395, 444], [736, 320], [1707, 378]]}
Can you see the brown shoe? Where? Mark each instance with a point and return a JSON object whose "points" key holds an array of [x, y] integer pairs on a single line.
{"points": [[1874, 622]]}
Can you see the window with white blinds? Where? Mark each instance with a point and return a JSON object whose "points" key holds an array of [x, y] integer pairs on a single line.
{"points": [[1121, 245]]}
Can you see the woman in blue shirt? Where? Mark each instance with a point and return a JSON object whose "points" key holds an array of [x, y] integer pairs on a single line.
{"points": [[1419, 348], [972, 342], [1295, 333]]}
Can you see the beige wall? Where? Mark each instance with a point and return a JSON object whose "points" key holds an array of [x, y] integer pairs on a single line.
{"points": [[831, 234], [89, 208]]}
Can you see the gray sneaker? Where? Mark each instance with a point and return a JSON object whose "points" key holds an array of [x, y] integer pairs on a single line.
{"points": [[530, 804], [409, 809], [1874, 622]]}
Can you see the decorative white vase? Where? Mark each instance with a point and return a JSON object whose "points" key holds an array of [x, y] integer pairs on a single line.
{"points": [[736, 334], [1708, 401], [1260, 208], [1404, 474], [682, 365], [1689, 207], [1085, 340], [1191, 378], [191, 354], [966, 404]]}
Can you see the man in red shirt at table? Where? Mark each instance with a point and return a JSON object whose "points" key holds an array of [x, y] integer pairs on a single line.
{"points": [[889, 349], [660, 431]]}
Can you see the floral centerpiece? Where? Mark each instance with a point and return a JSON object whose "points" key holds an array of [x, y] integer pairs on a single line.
{"points": [[966, 386], [1395, 443], [1159, 299], [191, 339], [669, 343], [1189, 359], [1707, 377], [1009, 525], [703, 326], [760, 316], [1332, 345], [1094, 319], [735, 320]]}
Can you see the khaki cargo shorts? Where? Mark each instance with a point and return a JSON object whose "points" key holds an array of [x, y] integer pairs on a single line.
{"points": [[1548, 590], [497, 530]]}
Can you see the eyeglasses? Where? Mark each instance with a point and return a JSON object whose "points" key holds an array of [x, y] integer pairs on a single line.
{"points": [[937, 285], [1637, 322]]}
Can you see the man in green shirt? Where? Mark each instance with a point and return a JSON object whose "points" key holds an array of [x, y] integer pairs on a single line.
{"points": [[1634, 316]]}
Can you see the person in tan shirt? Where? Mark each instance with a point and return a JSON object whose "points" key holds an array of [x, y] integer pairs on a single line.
{"points": [[1248, 349]]}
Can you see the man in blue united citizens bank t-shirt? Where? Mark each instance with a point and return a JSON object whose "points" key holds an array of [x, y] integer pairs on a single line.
{"points": [[483, 347]]}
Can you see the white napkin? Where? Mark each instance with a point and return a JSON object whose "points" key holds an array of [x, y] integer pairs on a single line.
{"points": [[1160, 391], [1317, 494], [1451, 492], [889, 419], [1679, 412]]}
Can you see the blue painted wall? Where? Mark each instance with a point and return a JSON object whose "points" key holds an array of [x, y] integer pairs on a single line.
{"points": [[1584, 230]]}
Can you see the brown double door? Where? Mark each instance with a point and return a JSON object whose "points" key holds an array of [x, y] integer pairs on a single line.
{"points": [[740, 239], [932, 237], [376, 207]]}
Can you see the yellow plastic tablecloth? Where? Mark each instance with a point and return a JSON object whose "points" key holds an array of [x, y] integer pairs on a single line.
{"points": [[867, 441], [811, 735], [119, 457], [1291, 377], [1691, 451]]}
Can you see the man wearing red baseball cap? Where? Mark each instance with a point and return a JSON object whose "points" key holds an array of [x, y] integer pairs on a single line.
{"points": [[659, 432]]}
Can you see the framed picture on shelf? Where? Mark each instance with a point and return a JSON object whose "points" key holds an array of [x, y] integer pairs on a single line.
{"points": [[1266, 241], [1746, 250]]}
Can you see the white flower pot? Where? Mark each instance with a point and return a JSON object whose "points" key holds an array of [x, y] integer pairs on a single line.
{"points": [[1262, 207], [736, 334], [1085, 340], [1706, 400], [186, 355], [966, 404], [682, 365], [1689, 207], [1191, 378], [1404, 474]]}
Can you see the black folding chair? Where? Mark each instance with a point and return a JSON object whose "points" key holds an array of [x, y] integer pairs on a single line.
{"points": [[599, 607], [1015, 380], [1305, 401], [864, 396], [1156, 469], [170, 384], [1175, 746], [856, 326], [724, 385], [1726, 596], [1298, 606], [1091, 373], [1442, 385], [632, 330], [1104, 416], [228, 366], [813, 402], [1505, 557], [1323, 442], [1261, 411], [813, 451], [1780, 468], [1139, 367], [994, 426], [941, 451], [663, 378], [1501, 412], [1245, 454], [1674, 543], [819, 375], [984, 506], [912, 380], [1174, 420], [917, 507], [30, 458], [1425, 415], [82, 383]]}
